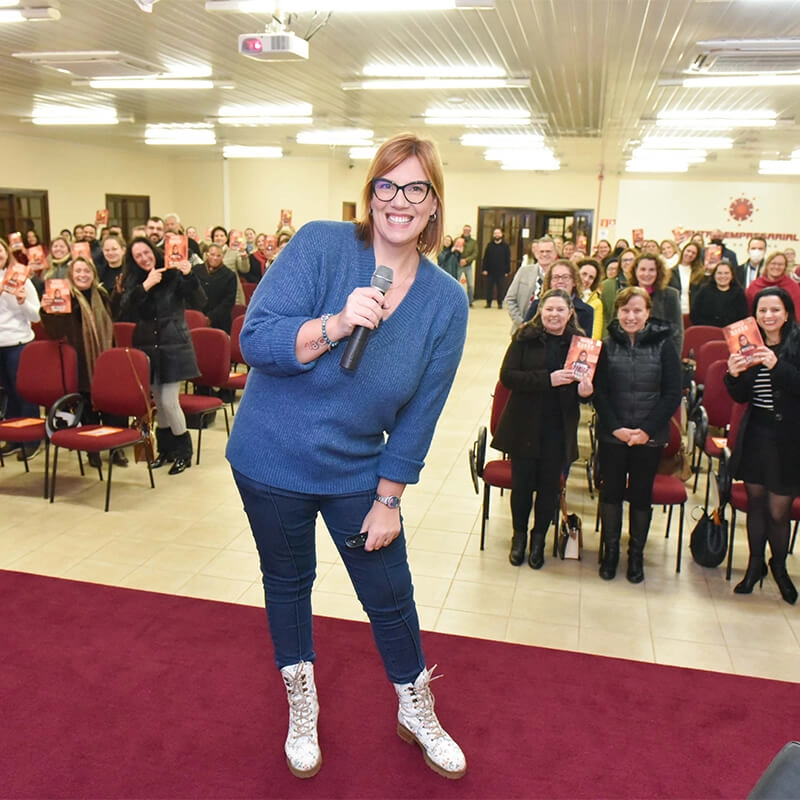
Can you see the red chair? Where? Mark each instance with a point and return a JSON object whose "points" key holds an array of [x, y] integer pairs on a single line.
{"points": [[238, 310], [47, 371], [123, 333], [493, 473], [248, 289], [39, 331], [120, 386], [687, 322], [698, 335], [236, 380], [213, 350], [196, 319], [709, 352]]}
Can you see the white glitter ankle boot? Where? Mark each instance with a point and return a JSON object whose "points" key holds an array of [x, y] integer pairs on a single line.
{"points": [[303, 755], [417, 724]]}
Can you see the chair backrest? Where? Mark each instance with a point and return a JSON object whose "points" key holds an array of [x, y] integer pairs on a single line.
{"points": [[708, 353], [47, 370], [123, 333], [39, 331], [687, 322], [196, 319], [121, 382], [238, 310], [698, 335], [236, 332], [737, 413], [716, 400], [499, 400], [213, 350], [248, 289], [675, 434]]}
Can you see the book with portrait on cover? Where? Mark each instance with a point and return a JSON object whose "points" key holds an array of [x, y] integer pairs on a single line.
{"points": [[176, 249], [59, 299], [582, 356], [16, 274], [743, 337]]}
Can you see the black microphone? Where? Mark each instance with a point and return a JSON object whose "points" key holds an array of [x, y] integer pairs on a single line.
{"points": [[382, 281]]}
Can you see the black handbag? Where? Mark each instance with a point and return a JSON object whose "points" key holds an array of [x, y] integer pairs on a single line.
{"points": [[709, 539]]}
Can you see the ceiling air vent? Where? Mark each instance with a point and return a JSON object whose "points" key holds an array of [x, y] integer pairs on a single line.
{"points": [[91, 64], [747, 56]]}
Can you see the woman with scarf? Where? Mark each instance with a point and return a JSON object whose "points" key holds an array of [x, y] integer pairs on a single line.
{"points": [[89, 329]]}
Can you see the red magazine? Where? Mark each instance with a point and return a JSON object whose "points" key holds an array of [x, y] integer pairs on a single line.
{"points": [[286, 217], [57, 298], [582, 356], [638, 237], [36, 258], [81, 250], [743, 337], [101, 218], [712, 256], [176, 249], [16, 274], [15, 241]]}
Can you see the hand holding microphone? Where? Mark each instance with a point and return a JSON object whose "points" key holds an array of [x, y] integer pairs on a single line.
{"points": [[382, 281]]}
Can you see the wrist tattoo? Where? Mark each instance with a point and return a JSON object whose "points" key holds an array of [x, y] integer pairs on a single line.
{"points": [[315, 344]]}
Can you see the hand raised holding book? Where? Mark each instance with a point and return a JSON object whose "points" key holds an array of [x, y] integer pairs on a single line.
{"points": [[763, 355], [737, 364], [184, 267], [585, 387]]}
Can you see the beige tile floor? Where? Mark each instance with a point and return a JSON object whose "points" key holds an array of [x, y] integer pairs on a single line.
{"points": [[190, 537]]}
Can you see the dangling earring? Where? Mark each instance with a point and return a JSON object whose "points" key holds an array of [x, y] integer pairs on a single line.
{"points": [[433, 217]]}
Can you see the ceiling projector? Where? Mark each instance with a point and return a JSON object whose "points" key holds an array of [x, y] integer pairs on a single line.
{"points": [[283, 46]]}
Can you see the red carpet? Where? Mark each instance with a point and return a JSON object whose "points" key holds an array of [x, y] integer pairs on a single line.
{"points": [[116, 693]]}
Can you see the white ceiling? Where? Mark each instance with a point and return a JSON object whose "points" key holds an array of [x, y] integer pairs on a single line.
{"points": [[599, 72]]}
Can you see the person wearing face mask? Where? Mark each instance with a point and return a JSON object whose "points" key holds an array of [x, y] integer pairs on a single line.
{"points": [[774, 274], [496, 265], [747, 272], [727, 254], [539, 425]]}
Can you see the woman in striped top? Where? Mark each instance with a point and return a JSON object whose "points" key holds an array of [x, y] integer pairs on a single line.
{"points": [[765, 454]]}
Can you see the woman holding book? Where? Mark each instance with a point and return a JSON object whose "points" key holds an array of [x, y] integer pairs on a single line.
{"points": [[19, 307], [721, 300], [765, 453], [637, 390], [539, 425], [87, 326], [156, 298]]}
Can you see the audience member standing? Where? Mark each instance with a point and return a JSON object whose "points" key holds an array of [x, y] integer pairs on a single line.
{"points": [[747, 272], [495, 266], [467, 261]]}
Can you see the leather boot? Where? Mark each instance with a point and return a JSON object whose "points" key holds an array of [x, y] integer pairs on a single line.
{"points": [[183, 453], [536, 558], [417, 723], [611, 522], [756, 572], [787, 589], [165, 442], [638, 530], [303, 755], [519, 543]]}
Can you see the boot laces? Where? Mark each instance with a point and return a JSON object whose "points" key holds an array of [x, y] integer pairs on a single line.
{"points": [[423, 701], [300, 703]]}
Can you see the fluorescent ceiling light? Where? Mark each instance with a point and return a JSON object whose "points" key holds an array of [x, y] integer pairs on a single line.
{"points": [[252, 116], [437, 83], [360, 6], [477, 117], [356, 137], [641, 166], [716, 120], [242, 151], [70, 116], [198, 133], [716, 124], [741, 81], [770, 167], [508, 140], [363, 153], [253, 122], [40, 14], [531, 165], [650, 154], [8, 3], [687, 142], [149, 83], [515, 154], [409, 71]]}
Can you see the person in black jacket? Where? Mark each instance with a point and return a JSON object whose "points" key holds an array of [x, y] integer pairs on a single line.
{"points": [[495, 266], [155, 298], [219, 285], [539, 425], [565, 275], [637, 389], [765, 454], [721, 300]]}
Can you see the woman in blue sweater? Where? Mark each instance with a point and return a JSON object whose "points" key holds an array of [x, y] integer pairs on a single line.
{"points": [[313, 438]]}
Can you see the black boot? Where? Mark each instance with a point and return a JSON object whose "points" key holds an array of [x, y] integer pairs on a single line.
{"points": [[611, 521], [183, 453], [166, 448], [519, 543], [756, 571], [639, 528], [536, 558], [788, 592]]}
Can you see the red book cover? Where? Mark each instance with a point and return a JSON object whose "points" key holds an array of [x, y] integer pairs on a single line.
{"points": [[638, 237], [101, 218], [15, 241], [16, 274], [582, 356], [743, 337], [176, 249], [286, 217], [57, 298], [81, 250], [236, 238], [36, 258], [712, 256]]}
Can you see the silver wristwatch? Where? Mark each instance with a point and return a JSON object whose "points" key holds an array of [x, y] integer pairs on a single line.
{"points": [[390, 502]]}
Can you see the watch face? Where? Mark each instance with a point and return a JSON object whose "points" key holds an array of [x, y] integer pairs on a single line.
{"points": [[391, 502]]}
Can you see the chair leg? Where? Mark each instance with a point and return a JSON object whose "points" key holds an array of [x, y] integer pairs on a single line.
{"points": [[46, 468], [150, 473], [794, 536], [697, 462], [669, 522], [108, 484], [199, 439], [80, 463], [730, 544], [484, 512], [227, 424], [25, 457], [680, 537], [53, 478], [708, 480]]}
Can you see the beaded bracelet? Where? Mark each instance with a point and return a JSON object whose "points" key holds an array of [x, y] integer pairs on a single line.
{"points": [[331, 345]]}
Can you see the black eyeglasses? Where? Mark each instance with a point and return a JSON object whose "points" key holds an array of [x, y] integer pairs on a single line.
{"points": [[386, 190]]}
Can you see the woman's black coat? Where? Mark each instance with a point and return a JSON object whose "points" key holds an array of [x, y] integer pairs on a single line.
{"points": [[161, 329], [525, 373]]}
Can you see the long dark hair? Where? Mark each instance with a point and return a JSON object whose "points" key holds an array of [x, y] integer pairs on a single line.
{"points": [[134, 274], [790, 332]]}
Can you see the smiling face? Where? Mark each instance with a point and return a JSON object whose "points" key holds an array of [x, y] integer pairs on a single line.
{"points": [[82, 275], [561, 277], [603, 248], [690, 253], [646, 273], [143, 256], [220, 237], [397, 223], [555, 315], [723, 276], [775, 267], [588, 274], [213, 258], [771, 315], [633, 315], [667, 250], [112, 252], [59, 249]]}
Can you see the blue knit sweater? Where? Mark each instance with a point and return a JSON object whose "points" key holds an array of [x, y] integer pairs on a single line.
{"points": [[314, 428]]}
